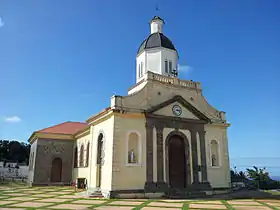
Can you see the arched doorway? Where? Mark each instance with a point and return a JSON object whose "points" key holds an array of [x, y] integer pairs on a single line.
{"points": [[56, 170], [177, 160], [99, 159]]}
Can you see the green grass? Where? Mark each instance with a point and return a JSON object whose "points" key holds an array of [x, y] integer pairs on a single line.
{"points": [[264, 204], [185, 206], [227, 205], [273, 192], [12, 184], [18, 187]]}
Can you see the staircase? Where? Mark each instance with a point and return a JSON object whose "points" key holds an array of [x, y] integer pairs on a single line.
{"points": [[91, 192], [175, 193], [96, 194]]}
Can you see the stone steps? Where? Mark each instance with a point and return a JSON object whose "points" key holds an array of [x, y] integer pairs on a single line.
{"points": [[91, 192], [95, 193], [181, 194]]}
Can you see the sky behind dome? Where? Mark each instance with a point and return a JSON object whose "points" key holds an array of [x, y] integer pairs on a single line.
{"points": [[63, 60]]}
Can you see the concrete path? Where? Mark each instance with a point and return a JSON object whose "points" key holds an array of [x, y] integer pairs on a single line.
{"points": [[64, 198]]}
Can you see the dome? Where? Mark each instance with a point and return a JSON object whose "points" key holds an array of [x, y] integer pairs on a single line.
{"points": [[156, 40]]}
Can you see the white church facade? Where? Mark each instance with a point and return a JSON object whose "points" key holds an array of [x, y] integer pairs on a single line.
{"points": [[161, 138]]}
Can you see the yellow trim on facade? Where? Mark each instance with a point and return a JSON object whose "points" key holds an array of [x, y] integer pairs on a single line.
{"points": [[102, 119], [32, 138], [99, 115], [131, 115], [82, 133], [56, 136], [50, 136], [219, 124], [92, 122], [108, 115]]}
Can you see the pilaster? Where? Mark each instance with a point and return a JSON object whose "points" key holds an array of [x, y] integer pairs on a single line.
{"points": [[194, 157]]}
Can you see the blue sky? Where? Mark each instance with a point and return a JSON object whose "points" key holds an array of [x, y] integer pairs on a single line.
{"points": [[62, 60]]}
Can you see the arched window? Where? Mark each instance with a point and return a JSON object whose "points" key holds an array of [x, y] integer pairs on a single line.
{"points": [[87, 159], [100, 150], [100, 158], [139, 70], [215, 153], [170, 67], [133, 148], [76, 157], [81, 163], [166, 66]]}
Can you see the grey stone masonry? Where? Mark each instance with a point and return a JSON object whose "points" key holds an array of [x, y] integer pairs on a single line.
{"points": [[47, 150]]}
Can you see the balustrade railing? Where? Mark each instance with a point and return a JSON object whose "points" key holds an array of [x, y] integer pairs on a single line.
{"points": [[173, 80]]}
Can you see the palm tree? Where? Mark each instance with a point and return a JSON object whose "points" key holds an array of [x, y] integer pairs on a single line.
{"points": [[242, 175], [237, 175], [259, 175]]}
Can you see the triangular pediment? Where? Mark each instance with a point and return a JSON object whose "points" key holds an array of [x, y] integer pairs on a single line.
{"points": [[177, 107]]}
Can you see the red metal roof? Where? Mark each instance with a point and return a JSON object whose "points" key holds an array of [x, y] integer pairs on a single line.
{"points": [[65, 128]]}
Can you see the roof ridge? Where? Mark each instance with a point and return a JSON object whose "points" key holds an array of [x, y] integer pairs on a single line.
{"points": [[52, 126], [76, 122], [58, 125]]}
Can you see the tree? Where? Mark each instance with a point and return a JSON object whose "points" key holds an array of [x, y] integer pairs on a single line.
{"points": [[255, 177], [237, 175], [15, 151], [4, 149], [259, 176], [242, 175]]}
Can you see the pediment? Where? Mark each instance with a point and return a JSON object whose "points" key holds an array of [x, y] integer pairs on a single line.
{"points": [[177, 107]]}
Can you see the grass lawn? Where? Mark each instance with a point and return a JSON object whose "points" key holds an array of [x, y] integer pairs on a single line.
{"points": [[273, 192]]}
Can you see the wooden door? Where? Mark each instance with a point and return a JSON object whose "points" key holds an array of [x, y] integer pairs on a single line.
{"points": [[177, 162], [56, 170]]}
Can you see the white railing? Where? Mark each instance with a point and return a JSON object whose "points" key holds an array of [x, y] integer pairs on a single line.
{"points": [[187, 83], [172, 80], [164, 79]]}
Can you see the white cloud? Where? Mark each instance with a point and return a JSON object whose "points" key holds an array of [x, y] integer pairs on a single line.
{"points": [[1, 22], [13, 119], [184, 68]]}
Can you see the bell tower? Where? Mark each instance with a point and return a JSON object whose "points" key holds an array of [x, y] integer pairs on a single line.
{"points": [[156, 53], [156, 25]]}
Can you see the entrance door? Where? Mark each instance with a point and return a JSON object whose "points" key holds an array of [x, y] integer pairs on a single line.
{"points": [[100, 159], [56, 170], [177, 162]]}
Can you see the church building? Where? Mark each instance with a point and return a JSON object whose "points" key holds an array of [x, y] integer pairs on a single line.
{"points": [[162, 138]]}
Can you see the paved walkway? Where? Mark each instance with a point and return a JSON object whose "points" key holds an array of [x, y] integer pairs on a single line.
{"points": [[64, 198]]}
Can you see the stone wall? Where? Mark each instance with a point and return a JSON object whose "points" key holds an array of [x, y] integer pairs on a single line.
{"points": [[47, 150]]}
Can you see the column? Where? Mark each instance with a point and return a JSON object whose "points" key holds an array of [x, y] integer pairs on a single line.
{"points": [[159, 130], [194, 157], [203, 156], [149, 152]]}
